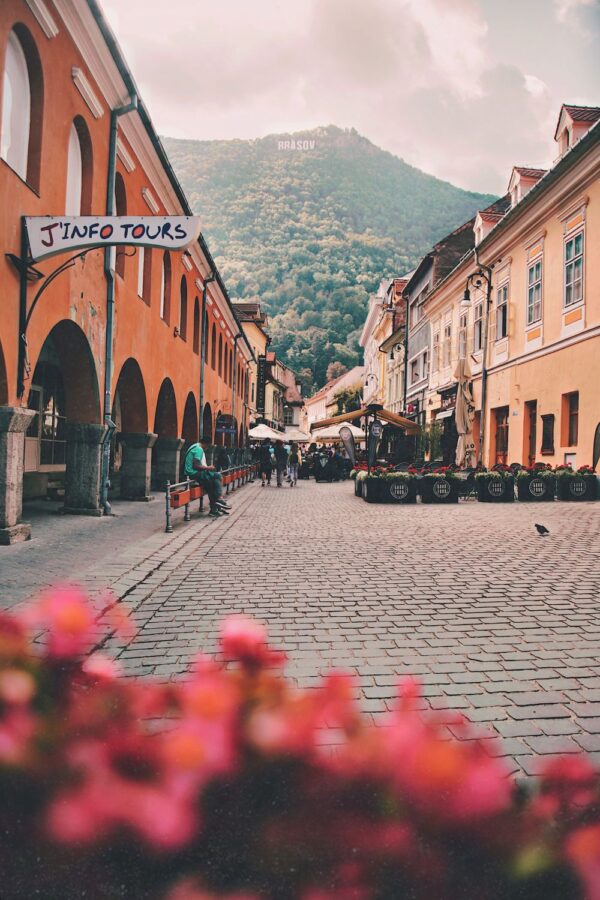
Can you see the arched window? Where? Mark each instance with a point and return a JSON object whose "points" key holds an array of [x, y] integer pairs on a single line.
{"points": [[196, 335], [144, 288], [120, 210], [220, 369], [183, 309], [79, 170], [22, 107], [165, 287], [213, 348]]}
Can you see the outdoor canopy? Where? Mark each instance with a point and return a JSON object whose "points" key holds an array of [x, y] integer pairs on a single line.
{"points": [[295, 434], [264, 433], [332, 432], [385, 414]]}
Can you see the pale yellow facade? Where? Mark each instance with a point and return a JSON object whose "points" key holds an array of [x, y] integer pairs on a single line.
{"points": [[543, 382]]}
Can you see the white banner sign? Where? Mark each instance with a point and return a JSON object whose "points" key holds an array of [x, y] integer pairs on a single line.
{"points": [[49, 235]]}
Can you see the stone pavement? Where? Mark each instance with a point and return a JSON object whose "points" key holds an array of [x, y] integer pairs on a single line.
{"points": [[491, 618]]}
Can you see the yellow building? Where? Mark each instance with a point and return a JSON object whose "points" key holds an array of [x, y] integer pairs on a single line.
{"points": [[254, 324], [533, 340]]}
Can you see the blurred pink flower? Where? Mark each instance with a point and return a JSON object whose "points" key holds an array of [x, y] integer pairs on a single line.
{"points": [[245, 640], [69, 619]]}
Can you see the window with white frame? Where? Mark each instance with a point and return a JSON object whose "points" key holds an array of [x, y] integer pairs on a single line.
{"points": [[462, 336], [74, 174], [574, 269], [502, 312], [425, 365], [414, 370], [16, 108], [534, 292], [436, 352], [478, 328], [447, 349]]}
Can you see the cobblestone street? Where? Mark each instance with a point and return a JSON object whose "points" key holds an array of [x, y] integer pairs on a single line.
{"points": [[491, 618]]}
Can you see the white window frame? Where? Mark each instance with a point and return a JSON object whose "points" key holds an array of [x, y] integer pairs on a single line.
{"points": [[534, 284], [462, 335], [74, 174], [435, 364], [415, 370], [572, 238], [15, 129], [447, 346], [140, 280], [502, 300], [478, 327]]}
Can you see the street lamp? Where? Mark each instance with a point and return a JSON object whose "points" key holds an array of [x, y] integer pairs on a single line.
{"points": [[478, 279]]}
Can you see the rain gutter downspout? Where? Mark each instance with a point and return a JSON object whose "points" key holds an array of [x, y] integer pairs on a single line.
{"points": [[109, 254], [234, 381], [203, 346], [484, 371]]}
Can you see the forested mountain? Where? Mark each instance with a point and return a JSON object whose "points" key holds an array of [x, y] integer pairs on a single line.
{"points": [[310, 223]]}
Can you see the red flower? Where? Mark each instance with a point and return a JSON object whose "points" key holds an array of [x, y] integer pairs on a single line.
{"points": [[245, 640]]}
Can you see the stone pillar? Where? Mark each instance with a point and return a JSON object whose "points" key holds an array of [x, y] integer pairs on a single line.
{"points": [[165, 462], [136, 466], [82, 477], [14, 422]]}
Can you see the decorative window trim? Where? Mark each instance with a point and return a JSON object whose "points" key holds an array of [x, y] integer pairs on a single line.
{"points": [[571, 236], [531, 243], [199, 284], [44, 19], [85, 89], [578, 206], [187, 262], [505, 283], [531, 263], [150, 200], [124, 155]]}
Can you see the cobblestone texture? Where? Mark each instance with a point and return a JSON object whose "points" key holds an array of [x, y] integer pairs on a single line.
{"points": [[492, 619]]}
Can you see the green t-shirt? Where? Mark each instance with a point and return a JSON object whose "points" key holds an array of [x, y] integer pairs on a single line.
{"points": [[195, 452]]}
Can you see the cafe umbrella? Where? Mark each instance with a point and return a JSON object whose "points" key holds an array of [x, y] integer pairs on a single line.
{"points": [[464, 415]]}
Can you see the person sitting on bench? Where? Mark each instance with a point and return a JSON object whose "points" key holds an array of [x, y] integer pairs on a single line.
{"points": [[196, 467]]}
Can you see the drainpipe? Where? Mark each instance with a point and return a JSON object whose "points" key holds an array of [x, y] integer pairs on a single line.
{"points": [[487, 270], [203, 346], [109, 252], [405, 387], [234, 380]]}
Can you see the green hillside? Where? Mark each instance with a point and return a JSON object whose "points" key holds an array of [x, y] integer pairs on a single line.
{"points": [[312, 229]]}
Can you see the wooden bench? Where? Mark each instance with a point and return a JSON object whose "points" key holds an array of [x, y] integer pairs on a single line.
{"points": [[181, 495]]}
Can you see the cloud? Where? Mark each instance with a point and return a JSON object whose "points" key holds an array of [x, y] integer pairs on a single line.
{"points": [[564, 8], [424, 79]]}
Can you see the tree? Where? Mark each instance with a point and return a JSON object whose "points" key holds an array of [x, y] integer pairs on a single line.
{"points": [[335, 370]]}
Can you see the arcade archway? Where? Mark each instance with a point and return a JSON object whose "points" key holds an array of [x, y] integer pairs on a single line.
{"points": [[130, 450], [62, 444], [165, 454], [207, 423]]}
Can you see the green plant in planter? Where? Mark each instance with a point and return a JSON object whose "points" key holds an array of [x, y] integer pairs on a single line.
{"points": [[439, 486], [496, 486], [537, 482], [576, 485]]}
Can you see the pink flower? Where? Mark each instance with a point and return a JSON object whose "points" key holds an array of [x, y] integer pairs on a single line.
{"points": [[69, 618], [17, 728], [98, 665], [244, 639], [582, 849], [16, 686]]}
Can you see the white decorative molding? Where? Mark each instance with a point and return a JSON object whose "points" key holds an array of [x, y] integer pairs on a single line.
{"points": [[199, 284], [187, 262], [150, 200], [125, 156], [43, 17], [85, 89]]}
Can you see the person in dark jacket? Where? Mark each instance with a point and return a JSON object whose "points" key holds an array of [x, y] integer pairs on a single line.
{"points": [[265, 464], [281, 458]]}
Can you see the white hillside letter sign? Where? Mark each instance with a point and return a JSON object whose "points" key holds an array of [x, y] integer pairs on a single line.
{"points": [[49, 235]]}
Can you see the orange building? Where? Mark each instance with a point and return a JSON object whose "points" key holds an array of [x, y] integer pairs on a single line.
{"points": [[145, 338]]}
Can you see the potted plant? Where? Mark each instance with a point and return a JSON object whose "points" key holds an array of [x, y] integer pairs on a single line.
{"points": [[439, 486], [576, 485], [496, 486], [537, 482], [390, 487]]}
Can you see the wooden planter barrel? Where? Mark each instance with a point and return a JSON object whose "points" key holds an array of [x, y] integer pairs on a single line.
{"points": [[437, 489], [577, 487], [393, 490], [533, 488], [495, 490]]}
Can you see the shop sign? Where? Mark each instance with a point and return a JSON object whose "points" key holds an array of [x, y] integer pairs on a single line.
{"points": [[448, 398], [441, 488], [496, 487], [537, 487], [399, 490], [348, 439], [49, 235], [261, 384]]}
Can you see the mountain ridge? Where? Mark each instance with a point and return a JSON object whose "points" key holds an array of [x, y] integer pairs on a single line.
{"points": [[310, 221]]}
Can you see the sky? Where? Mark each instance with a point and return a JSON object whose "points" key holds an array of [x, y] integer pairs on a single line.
{"points": [[463, 89]]}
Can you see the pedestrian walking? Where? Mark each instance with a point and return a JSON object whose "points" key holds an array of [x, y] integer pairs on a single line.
{"points": [[293, 463], [196, 467], [265, 464], [281, 460]]}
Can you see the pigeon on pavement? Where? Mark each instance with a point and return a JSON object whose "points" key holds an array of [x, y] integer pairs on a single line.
{"points": [[541, 529]]}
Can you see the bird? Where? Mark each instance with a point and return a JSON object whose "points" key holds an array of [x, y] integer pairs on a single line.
{"points": [[541, 529]]}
